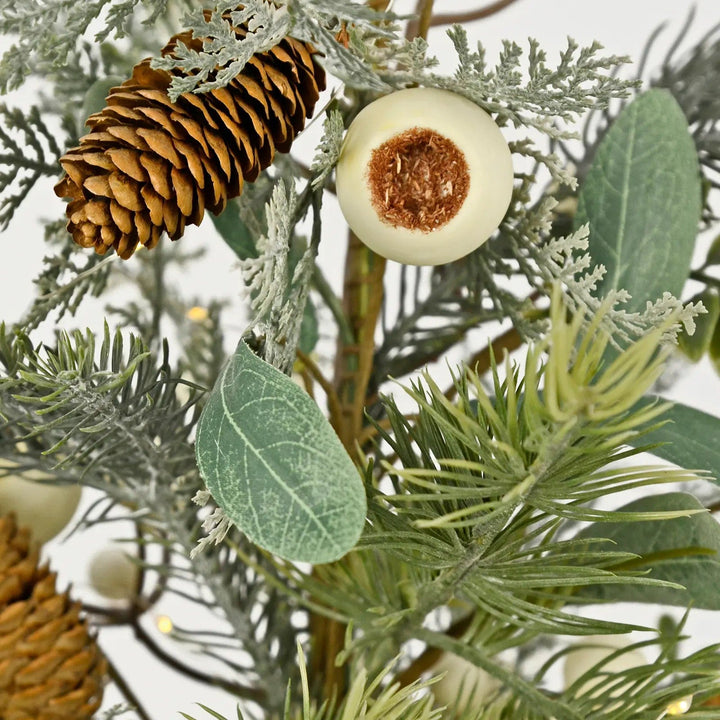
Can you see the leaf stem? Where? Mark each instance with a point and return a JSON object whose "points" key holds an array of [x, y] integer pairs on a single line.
{"points": [[702, 277], [316, 373]]}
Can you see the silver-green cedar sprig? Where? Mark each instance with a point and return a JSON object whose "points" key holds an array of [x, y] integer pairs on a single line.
{"points": [[279, 294], [546, 260], [28, 151], [66, 279], [328, 149], [530, 93], [47, 31], [224, 55]]}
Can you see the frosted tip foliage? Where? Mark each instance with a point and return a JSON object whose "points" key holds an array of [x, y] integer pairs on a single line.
{"points": [[151, 165]]}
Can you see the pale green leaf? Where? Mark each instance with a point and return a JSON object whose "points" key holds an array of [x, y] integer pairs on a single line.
{"points": [[696, 345], [642, 199], [276, 467], [689, 438], [681, 550]]}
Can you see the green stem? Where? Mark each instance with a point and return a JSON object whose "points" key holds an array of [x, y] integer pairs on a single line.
{"points": [[334, 304], [702, 277]]}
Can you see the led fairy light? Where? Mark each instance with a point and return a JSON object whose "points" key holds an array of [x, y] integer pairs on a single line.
{"points": [[678, 707], [424, 177]]}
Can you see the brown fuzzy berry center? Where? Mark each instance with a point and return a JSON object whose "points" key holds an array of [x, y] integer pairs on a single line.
{"points": [[418, 180]]}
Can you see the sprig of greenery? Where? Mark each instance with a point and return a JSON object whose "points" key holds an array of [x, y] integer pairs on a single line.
{"points": [[112, 418], [368, 698], [47, 31], [328, 149], [536, 96], [224, 55], [29, 152], [481, 491], [66, 279]]}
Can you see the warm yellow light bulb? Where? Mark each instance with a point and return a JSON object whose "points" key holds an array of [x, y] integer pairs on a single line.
{"points": [[197, 314], [164, 624], [680, 707]]}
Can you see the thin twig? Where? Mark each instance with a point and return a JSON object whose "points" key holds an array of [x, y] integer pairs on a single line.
{"points": [[125, 689], [332, 397], [242, 691], [470, 15], [334, 304], [419, 26]]}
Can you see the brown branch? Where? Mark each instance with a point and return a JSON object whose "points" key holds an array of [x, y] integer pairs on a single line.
{"points": [[419, 26], [246, 692], [332, 397], [470, 15]]}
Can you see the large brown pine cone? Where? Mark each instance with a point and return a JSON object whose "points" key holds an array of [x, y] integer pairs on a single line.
{"points": [[50, 666], [151, 166]]}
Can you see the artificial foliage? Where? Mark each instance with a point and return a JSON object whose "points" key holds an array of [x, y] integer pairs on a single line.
{"points": [[356, 518]]}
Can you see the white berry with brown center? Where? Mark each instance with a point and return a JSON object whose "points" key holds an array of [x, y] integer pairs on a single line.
{"points": [[424, 177]]}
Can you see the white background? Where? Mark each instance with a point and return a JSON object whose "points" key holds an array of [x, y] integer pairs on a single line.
{"points": [[622, 26]]}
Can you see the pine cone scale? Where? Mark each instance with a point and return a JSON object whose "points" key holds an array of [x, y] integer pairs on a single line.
{"points": [[150, 165], [50, 666]]}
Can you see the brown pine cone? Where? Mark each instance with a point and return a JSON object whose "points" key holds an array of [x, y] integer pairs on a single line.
{"points": [[151, 166], [50, 666]]}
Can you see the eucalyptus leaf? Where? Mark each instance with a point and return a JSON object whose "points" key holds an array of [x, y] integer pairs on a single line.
{"points": [[681, 550], [696, 345], [689, 438], [235, 232], [309, 328], [713, 253], [276, 467], [642, 199]]}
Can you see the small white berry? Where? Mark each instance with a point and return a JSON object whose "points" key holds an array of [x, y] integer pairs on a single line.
{"points": [[113, 574], [424, 177], [594, 649], [44, 508]]}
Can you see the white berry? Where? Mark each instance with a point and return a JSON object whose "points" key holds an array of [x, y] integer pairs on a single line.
{"points": [[594, 649], [44, 508], [424, 177], [113, 574], [463, 683]]}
